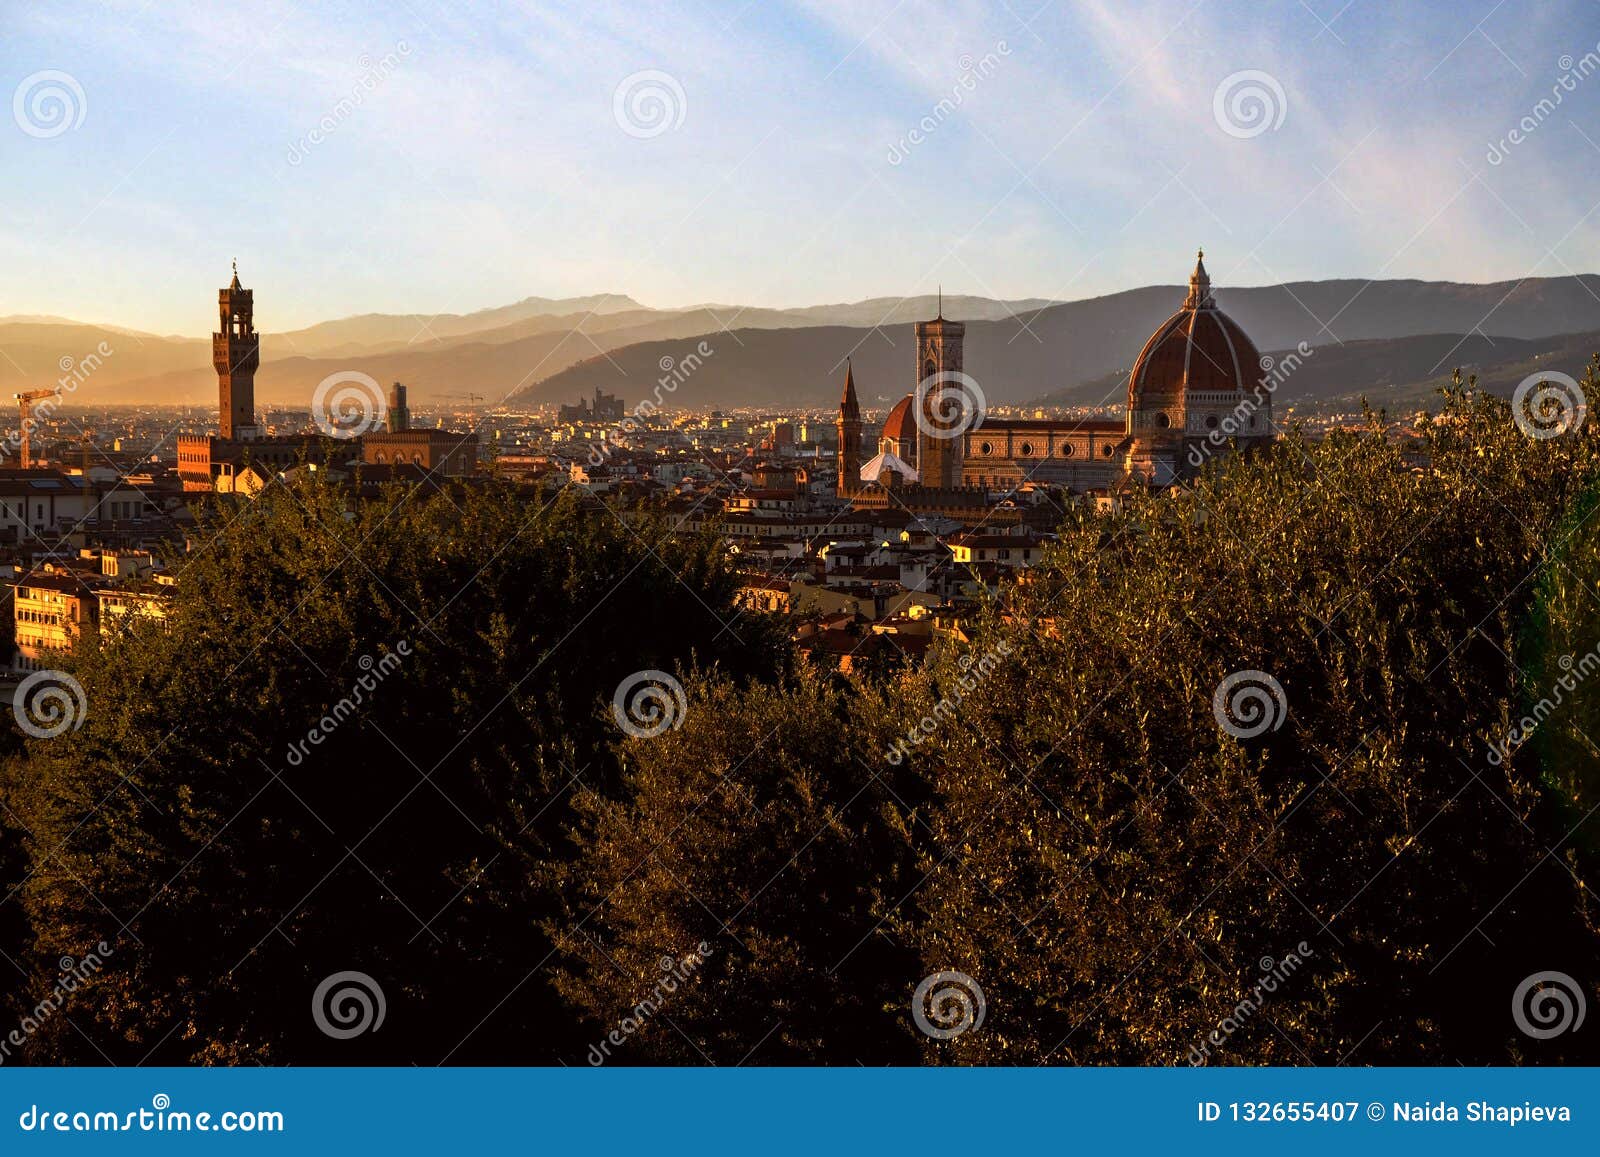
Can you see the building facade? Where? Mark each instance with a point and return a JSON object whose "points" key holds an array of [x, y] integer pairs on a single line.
{"points": [[441, 451]]}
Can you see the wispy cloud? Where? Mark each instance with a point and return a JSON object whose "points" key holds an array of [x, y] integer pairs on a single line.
{"points": [[489, 165]]}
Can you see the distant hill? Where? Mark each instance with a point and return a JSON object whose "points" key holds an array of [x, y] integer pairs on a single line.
{"points": [[348, 334], [389, 333], [1055, 349], [1390, 372], [549, 350], [437, 363], [36, 355]]}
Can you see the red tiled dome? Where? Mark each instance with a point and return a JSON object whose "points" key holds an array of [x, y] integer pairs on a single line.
{"points": [[900, 424], [1199, 349]]}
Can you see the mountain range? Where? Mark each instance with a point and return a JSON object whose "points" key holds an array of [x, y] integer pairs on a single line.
{"points": [[1393, 339]]}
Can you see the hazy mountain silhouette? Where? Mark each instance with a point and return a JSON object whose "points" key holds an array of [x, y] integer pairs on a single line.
{"points": [[1079, 343], [346, 334], [547, 350], [1389, 372]]}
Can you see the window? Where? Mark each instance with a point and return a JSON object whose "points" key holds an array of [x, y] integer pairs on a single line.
{"points": [[1106, 450], [1027, 449], [1211, 422], [1066, 450], [986, 448], [1163, 421]]}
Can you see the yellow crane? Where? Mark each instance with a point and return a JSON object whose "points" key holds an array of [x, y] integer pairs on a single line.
{"points": [[25, 406]]}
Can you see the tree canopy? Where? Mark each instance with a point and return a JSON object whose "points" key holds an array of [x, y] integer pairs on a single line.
{"points": [[1268, 724]]}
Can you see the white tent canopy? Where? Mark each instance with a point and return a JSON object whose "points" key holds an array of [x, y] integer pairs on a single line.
{"points": [[873, 471]]}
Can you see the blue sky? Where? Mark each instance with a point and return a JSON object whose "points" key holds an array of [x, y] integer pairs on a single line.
{"points": [[485, 160]]}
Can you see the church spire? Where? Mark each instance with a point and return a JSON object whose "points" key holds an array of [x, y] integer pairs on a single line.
{"points": [[849, 404], [850, 431], [1200, 286]]}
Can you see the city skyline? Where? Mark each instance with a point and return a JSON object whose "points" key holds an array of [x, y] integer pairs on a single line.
{"points": [[586, 540], [416, 162]]}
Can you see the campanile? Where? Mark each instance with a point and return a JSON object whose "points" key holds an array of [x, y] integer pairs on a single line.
{"points": [[236, 352], [944, 404]]}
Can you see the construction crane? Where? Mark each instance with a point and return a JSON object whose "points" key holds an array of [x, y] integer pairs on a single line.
{"points": [[467, 397], [25, 406]]}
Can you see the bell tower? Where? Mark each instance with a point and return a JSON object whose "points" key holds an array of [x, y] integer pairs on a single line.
{"points": [[849, 425], [399, 419], [236, 353], [944, 408]]}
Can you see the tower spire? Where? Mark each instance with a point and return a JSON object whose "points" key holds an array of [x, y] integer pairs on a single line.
{"points": [[850, 432], [1199, 286]]}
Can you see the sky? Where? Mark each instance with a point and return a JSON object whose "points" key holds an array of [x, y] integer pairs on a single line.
{"points": [[413, 156]]}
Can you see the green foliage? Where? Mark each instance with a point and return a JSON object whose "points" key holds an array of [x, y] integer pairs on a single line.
{"points": [[456, 650], [1131, 862], [1056, 810], [1080, 835], [760, 829]]}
